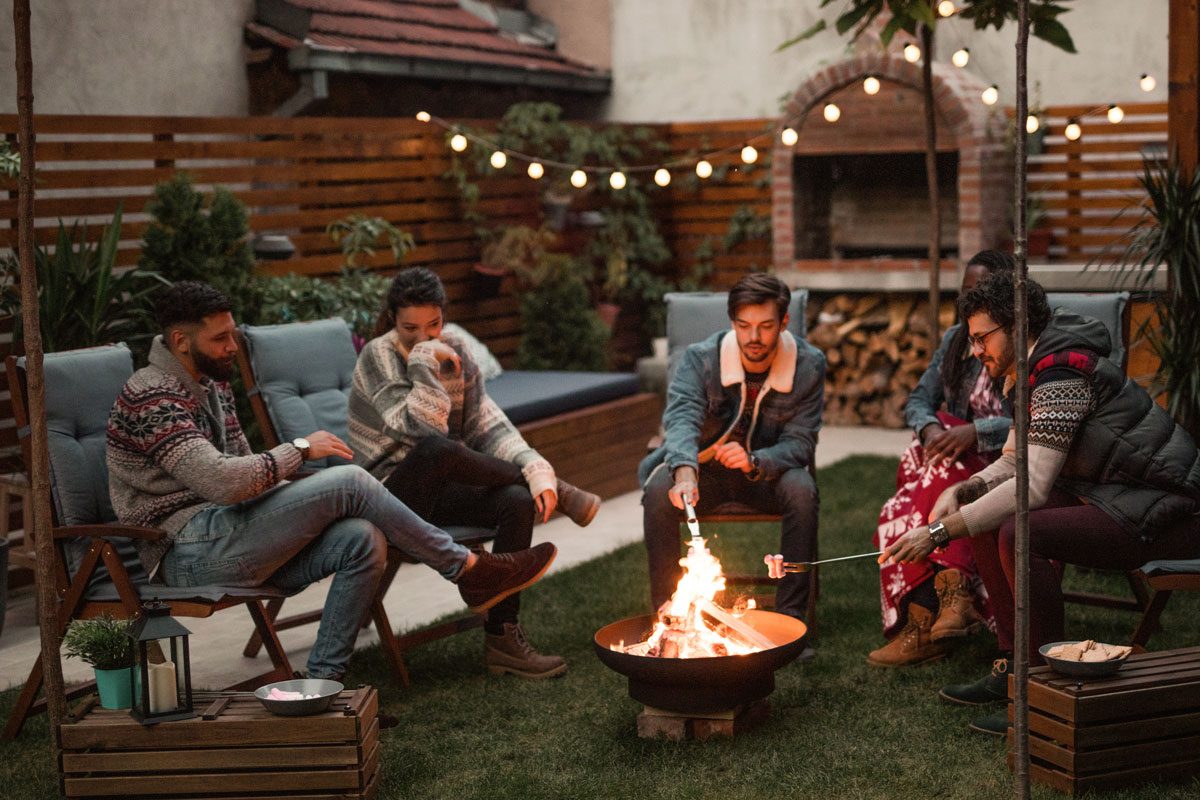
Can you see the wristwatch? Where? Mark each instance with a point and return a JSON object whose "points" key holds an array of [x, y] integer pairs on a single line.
{"points": [[939, 535], [303, 446], [755, 472]]}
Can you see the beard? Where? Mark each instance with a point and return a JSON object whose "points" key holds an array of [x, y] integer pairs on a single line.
{"points": [[219, 369], [757, 353]]}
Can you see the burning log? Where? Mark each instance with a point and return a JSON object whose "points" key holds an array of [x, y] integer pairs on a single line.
{"points": [[736, 625]]}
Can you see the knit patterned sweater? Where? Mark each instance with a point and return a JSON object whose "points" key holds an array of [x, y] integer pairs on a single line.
{"points": [[175, 447], [399, 397]]}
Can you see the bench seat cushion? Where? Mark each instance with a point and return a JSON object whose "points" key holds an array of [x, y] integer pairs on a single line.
{"points": [[527, 396]]}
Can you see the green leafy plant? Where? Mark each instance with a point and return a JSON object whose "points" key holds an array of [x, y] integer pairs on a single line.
{"points": [[519, 249], [356, 296], [10, 160], [359, 235], [103, 642], [561, 331], [83, 300]]}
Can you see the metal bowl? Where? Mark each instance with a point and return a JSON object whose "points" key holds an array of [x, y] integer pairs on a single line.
{"points": [[326, 691], [1080, 669]]}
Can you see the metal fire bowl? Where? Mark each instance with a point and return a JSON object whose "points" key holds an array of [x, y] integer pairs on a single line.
{"points": [[701, 685]]}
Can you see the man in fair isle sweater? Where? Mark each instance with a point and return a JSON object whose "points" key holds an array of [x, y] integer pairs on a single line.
{"points": [[421, 422], [178, 461]]}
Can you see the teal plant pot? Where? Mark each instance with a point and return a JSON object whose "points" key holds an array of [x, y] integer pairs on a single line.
{"points": [[114, 689]]}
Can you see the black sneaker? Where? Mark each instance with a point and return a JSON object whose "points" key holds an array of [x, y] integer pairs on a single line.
{"points": [[992, 688], [494, 576], [995, 724]]}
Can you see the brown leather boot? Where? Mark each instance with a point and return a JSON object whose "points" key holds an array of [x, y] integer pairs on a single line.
{"points": [[511, 652], [577, 504], [957, 616], [912, 645], [495, 576]]}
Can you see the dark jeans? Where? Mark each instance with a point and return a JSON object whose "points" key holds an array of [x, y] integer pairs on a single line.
{"points": [[447, 483], [794, 495], [1067, 531]]}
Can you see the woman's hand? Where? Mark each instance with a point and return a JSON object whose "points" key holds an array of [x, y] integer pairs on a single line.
{"points": [[950, 444], [545, 504], [911, 547]]}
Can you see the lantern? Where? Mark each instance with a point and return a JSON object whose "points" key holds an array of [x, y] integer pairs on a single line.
{"points": [[161, 678]]}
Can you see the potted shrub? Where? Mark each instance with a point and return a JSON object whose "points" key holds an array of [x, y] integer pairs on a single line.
{"points": [[515, 249], [104, 643], [560, 331], [1038, 233]]}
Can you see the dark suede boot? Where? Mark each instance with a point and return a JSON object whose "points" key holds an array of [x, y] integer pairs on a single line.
{"points": [[494, 577], [991, 688]]}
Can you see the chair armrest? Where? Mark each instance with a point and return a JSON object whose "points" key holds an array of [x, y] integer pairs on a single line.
{"points": [[106, 531]]}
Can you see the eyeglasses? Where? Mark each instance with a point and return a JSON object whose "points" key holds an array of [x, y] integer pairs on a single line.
{"points": [[977, 341]]}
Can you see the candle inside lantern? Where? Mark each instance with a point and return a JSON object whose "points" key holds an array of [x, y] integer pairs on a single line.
{"points": [[163, 694]]}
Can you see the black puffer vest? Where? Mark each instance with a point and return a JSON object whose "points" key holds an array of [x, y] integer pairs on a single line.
{"points": [[1128, 457]]}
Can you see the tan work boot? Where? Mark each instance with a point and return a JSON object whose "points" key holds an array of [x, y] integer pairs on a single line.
{"points": [[912, 645], [511, 652], [957, 616], [577, 504]]}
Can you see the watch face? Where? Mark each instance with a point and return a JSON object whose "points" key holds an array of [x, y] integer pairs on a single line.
{"points": [[300, 444]]}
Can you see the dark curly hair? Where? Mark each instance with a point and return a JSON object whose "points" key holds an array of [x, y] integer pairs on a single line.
{"points": [[954, 365], [415, 286], [187, 303], [994, 296], [756, 288]]}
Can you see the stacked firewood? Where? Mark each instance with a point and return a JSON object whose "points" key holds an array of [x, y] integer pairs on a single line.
{"points": [[877, 346]]}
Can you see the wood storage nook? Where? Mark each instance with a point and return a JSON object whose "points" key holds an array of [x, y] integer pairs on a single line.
{"points": [[233, 747]]}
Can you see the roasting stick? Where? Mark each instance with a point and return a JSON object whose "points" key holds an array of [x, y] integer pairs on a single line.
{"points": [[777, 567], [693, 526]]}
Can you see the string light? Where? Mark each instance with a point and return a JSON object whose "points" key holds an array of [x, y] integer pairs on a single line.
{"points": [[536, 170], [789, 137], [579, 179], [1073, 131], [423, 116], [912, 53], [1115, 114], [458, 143], [961, 57], [871, 85], [946, 8], [991, 95], [498, 159], [832, 112], [662, 176], [1147, 82], [617, 180], [703, 168], [1032, 123], [749, 154]]}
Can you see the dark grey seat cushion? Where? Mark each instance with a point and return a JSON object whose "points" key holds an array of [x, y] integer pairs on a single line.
{"points": [[1108, 307], [1190, 566], [526, 396], [694, 316]]}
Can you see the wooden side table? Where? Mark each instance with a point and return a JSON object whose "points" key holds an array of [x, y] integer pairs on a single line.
{"points": [[15, 487]]}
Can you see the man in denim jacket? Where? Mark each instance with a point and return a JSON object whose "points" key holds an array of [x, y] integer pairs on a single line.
{"points": [[741, 422]]}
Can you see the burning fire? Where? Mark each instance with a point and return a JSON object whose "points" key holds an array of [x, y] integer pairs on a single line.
{"points": [[692, 625]]}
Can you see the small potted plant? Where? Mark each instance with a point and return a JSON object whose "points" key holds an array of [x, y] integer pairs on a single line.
{"points": [[104, 643], [516, 249], [1037, 233]]}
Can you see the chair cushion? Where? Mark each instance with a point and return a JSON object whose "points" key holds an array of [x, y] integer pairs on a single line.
{"points": [[1189, 566], [526, 396], [304, 372], [1108, 307], [694, 316], [489, 366]]}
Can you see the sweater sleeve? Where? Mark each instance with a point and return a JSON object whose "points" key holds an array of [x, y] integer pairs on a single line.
{"points": [[412, 401]]}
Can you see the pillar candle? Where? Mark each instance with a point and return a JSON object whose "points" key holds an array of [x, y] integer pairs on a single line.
{"points": [[163, 693]]}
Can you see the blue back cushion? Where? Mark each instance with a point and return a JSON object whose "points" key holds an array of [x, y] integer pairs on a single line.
{"points": [[304, 372], [694, 316], [1108, 307]]}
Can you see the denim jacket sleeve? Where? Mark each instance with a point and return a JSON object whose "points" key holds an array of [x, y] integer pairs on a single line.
{"points": [[991, 433], [929, 394], [799, 438], [684, 413]]}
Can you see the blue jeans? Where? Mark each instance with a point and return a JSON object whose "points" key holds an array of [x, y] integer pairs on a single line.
{"points": [[338, 522]]}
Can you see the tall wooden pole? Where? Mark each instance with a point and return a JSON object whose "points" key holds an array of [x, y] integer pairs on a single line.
{"points": [[931, 177], [1020, 697], [1183, 74], [52, 681]]}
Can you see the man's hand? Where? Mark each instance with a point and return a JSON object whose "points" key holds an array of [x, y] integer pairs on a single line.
{"points": [[449, 363], [732, 455], [950, 444], [912, 546], [324, 443], [545, 503], [686, 486]]}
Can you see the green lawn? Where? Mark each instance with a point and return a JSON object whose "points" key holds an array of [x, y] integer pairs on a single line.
{"points": [[838, 728]]}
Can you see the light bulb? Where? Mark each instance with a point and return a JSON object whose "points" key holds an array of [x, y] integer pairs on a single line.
{"points": [[662, 176], [498, 159], [536, 170], [579, 179], [789, 137], [1032, 123], [458, 143], [990, 95], [1115, 114], [832, 112], [617, 180], [749, 154], [1147, 82], [912, 53], [946, 8], [423, 116], [871, 84], [703, 169], [961, 57], [1073, 131]]}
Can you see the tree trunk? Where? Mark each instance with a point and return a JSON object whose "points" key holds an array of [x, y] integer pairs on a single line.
{"points": [[931, 178], [39, 479]]}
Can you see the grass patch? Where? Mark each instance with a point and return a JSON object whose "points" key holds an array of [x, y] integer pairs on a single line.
{"points": [[838, 729]]}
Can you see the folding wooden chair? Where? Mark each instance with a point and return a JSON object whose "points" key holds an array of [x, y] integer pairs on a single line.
{"points": [[298, 379], [1163, 578], [96, 569]]}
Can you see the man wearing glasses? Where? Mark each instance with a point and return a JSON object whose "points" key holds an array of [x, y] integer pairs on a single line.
{"points": [[1113, 481]]}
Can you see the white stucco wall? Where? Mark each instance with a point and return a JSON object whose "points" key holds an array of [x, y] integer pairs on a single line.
{"points": [[170, 57], [680, 60]]}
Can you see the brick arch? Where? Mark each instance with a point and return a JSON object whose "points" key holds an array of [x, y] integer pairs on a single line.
{"points": [[984, 173]]}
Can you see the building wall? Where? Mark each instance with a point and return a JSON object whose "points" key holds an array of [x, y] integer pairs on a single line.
{"points": [[169, 57], [584, 28], [684, 60]]}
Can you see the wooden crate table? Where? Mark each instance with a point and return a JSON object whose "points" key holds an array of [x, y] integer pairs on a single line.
{"points": [[1139, 725], [234, 747]]}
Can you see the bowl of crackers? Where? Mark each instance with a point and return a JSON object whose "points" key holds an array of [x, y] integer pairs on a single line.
{"points": [[1085, 659]]}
